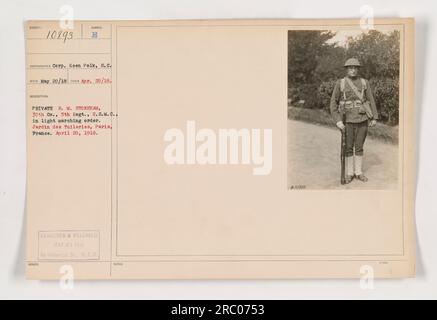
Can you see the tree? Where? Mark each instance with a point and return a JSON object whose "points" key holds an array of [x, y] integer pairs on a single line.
{"points": [[314, 66], [378, 53], [305, 48]]}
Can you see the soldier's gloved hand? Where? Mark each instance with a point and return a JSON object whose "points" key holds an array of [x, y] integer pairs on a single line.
{"points": [[340, 125], [372, 123]]}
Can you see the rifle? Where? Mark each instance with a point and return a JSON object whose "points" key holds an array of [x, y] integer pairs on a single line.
{"points": [[343, 151]]}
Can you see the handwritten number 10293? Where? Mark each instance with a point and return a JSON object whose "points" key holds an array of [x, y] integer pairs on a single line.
{"points": [[56, 35]]}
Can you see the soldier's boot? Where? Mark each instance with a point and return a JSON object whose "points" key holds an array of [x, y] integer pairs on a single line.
{"points": [[358, 169], [349, 169]]}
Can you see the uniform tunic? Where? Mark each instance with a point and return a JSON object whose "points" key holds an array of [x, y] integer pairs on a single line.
{"points": [[356, 122], [352, 114]]}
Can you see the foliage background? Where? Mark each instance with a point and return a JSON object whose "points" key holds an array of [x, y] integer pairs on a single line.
{"points": [[315, 63]]}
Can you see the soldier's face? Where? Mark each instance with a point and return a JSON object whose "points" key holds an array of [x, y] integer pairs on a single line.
{"points": [[352, 71]]}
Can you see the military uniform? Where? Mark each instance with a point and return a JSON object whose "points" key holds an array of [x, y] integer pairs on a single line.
{"points": [[349, 96]]}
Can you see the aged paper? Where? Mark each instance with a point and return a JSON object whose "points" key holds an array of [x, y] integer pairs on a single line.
{"points": [[175, 150]]}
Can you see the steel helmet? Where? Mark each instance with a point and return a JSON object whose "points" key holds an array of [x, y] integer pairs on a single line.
{"points": [[352, 62]]}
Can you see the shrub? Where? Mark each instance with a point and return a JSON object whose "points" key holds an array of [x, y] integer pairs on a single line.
{"points": [[308, 93], [293, 95], [386, 94], [324, 94]]}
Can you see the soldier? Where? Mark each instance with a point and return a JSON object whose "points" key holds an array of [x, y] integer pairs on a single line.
{"points": [[353, 97]]}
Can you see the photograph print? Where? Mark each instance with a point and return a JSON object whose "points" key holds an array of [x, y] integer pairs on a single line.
{"points": [[343, 108]]}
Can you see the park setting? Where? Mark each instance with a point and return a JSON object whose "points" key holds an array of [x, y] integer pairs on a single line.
{"points": [[315, 64]]}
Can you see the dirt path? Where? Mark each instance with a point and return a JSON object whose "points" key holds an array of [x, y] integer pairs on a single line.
{"points": [[314, 159]]}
